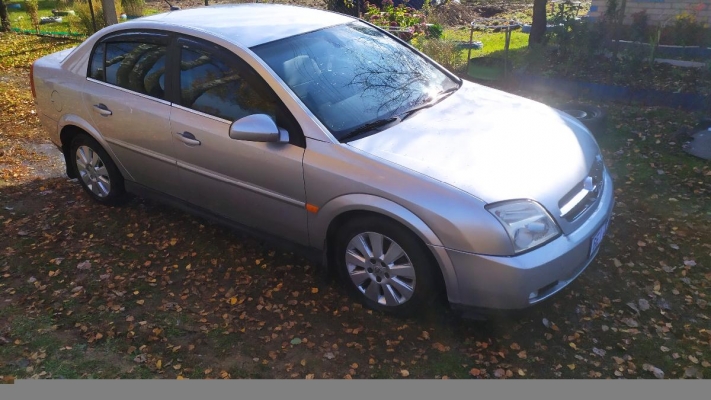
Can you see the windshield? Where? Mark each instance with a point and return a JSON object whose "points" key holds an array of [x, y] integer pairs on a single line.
{"points": [[353, 77]]}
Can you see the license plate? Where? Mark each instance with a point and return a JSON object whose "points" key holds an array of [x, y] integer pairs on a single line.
{"points": [[595, 243]]}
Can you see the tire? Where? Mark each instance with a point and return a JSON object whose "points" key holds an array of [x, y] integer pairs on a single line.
{"points": [[592, 117], [387, 280], [96, 171]]}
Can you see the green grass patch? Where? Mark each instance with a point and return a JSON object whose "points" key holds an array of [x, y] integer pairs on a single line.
{"points": [[20, 19]]}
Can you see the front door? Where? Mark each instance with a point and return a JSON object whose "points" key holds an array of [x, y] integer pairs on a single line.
{"points": [[259, 185]]}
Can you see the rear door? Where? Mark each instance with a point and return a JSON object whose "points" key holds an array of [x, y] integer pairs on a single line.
{"points": [[125, 93]]}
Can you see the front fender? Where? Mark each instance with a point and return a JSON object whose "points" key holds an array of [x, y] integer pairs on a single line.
{"points": [[319, 223]]}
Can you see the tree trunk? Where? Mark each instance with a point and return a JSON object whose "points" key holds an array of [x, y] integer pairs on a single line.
{"points": [[109, 12], [538, 25], [5, 27]]}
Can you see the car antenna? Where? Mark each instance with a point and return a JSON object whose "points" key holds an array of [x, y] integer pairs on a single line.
{"points": [[172, 7]]}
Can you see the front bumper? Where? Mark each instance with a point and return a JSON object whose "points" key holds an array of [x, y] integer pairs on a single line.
{"points": [[510, 283]]}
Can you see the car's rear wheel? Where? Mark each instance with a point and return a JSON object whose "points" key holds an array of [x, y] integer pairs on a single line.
{"points": [[97, 173], [385, 266]]}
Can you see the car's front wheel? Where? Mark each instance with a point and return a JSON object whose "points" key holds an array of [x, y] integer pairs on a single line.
{"points": [[385, 266], [97, 173]]}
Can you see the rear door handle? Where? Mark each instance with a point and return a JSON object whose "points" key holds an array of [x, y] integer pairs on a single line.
{"points": [[187, 138], [102, 109]]}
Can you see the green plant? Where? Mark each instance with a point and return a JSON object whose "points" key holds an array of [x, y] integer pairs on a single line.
{"points": [[435, 31], [133, 7], [405, 22], [654, 45], [686, 30], [82, 21], [64, 4], [445, 52], [342, 6], [640, 26], [32, 8]]}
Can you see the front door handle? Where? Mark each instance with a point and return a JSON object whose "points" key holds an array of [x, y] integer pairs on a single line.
{"points": [[102, 109], [187, 138]]}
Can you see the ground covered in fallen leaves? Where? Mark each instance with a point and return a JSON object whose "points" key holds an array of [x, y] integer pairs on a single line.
{"points": [[146, 291]]}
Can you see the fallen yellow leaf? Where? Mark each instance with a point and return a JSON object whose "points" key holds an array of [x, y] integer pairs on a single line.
{"points": [[314, 290], [159, 364]]}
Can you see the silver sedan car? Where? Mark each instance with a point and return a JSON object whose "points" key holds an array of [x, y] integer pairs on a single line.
{"points": [[329, 132]]}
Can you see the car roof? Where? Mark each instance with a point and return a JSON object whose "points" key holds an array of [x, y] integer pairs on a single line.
{"points": [[251, 24]]}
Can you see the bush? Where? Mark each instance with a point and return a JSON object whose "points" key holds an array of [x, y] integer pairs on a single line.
{"points": [[687, 31], [82, 22], [445, 52], [32, 7], [435, 31], [404, 22], [133, 7], [341, 6], [639, 29]]}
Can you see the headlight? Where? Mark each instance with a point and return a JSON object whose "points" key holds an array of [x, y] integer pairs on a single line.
{"points": [[527, 223]]}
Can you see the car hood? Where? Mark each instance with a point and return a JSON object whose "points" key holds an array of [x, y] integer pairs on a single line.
{"points": [[494, 145]]}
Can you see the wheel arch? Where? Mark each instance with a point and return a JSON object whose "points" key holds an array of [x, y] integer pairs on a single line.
{"points": [[70, 126], [332, 216]]}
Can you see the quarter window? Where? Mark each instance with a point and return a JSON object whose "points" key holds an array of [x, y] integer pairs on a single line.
{"points": [[212, 82], [97, 63]]}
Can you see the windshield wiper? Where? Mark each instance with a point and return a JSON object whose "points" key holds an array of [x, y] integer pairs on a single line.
{"points": [[370, 126], [434, 100]]}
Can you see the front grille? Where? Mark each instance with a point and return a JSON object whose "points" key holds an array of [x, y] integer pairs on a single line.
{"points": [[585, 194]]}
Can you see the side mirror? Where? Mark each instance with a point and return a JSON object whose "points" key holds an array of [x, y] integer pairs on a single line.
{"points": [[258, 128]]}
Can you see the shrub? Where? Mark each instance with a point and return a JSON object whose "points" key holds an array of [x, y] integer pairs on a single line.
{"points": [[32, 7], [341, 6], [82, 22], [406, 22], [133, 7], [686, 30], [639, 29], [445, 52]]}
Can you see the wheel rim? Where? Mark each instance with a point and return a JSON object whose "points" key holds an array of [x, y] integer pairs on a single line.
{"points": [[380, 269], [92, 171]]}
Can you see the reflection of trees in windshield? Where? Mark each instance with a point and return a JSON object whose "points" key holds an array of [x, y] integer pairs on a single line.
{"points": [[358, 75], [393, 79]]}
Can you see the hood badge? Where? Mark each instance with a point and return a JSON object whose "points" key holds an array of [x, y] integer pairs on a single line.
{"points": [[588, 184]]}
